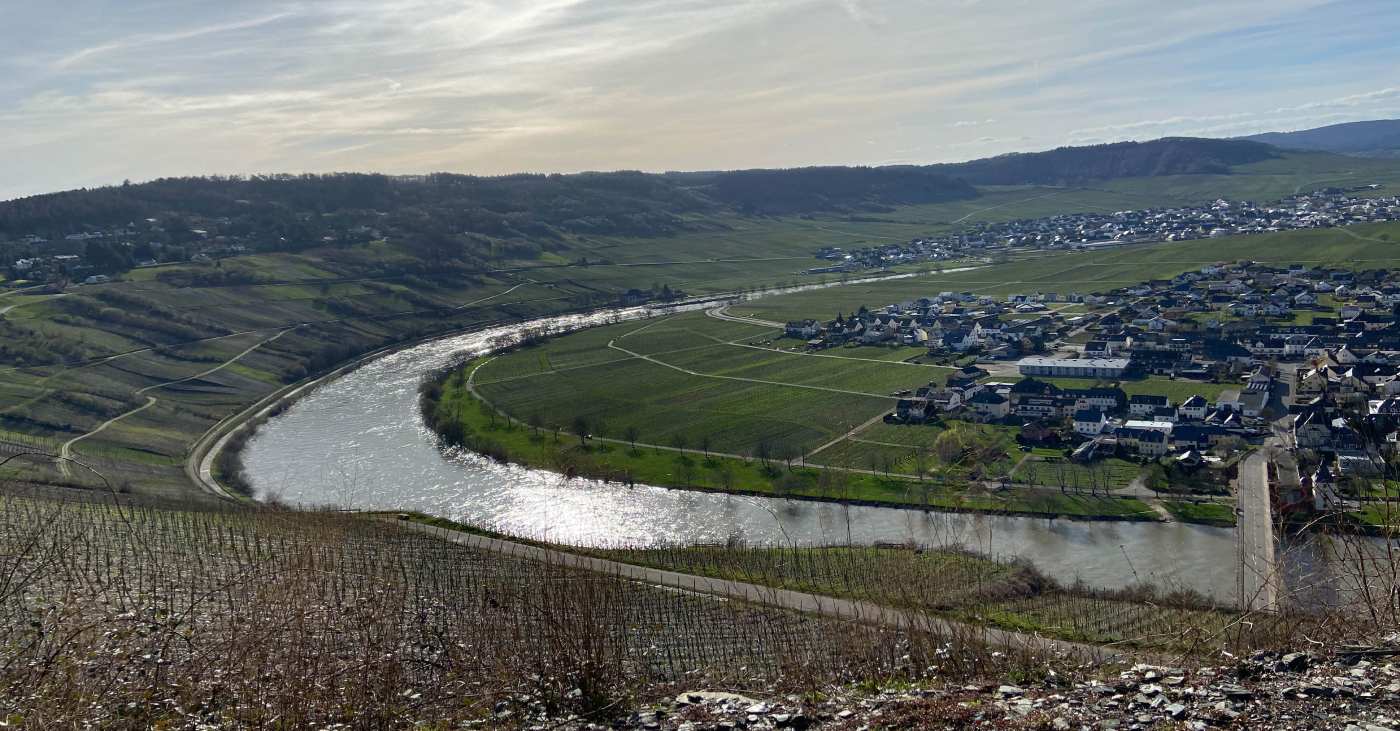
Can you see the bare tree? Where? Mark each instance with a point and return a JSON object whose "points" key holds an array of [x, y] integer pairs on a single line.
{"points": [[631, 433], [726, 475], [686, 467], [920, 462], [581, 429], [705, 445]]}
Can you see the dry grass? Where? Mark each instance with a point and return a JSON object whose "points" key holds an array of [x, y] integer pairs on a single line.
{"points": [[119, 616], [1012, 595]]}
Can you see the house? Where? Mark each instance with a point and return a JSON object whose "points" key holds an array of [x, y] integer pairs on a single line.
{"points": [[1145, 442], [1145, 404], [1089, 422], [944, 399], [1164, 413], [1038, 432], [1102, 398], [1253, 403], [1311, 429], [803, 329], [989, 405], [1194, 408], [1098, 349]]}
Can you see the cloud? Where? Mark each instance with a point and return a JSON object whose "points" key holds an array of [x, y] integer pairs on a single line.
{"points": [[1351, 107], [206, 86], [150, 42]]}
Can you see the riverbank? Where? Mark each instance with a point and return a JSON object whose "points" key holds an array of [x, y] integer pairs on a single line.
{"points": [[462, 418]]}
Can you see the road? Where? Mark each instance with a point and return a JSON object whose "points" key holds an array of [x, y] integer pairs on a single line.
{"points": [[1259, 577], [840, 609], [65, 452], [722, 313]]}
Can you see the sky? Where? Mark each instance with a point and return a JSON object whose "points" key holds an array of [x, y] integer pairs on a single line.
{"points": [[94, 92]]}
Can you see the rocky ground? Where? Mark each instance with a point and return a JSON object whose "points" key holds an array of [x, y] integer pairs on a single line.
{"points": [[1355, 692]]}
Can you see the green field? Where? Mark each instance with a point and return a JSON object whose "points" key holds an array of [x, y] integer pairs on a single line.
{"points": [[1177, 390], [700, 379], [1375, 245], [689, 465]]}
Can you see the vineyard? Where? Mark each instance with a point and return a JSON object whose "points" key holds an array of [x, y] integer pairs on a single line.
{"points": [[1007, 594], [124, 616]]}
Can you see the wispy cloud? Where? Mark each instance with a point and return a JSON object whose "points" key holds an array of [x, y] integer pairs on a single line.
{"points": [[161, 88], [151, 42]]}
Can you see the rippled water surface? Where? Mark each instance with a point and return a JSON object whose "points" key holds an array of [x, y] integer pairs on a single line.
{"points": [[358, 442]]}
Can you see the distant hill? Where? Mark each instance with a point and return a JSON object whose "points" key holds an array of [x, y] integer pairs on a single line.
{"points": [[1167, 156], [504, 207], [779, 192], [518, 216], [1379, 138]]}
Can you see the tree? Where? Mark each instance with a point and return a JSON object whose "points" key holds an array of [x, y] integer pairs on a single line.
{"points": [[535, 422], [107, 257], [686, 467], [631, 433], [764, 451], [787, 454], [726, 475], [949, 446], [920, 461], [581, 429], [678, 441], [705, 445]]}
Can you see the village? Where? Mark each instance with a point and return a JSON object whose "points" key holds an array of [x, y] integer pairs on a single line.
{"points": [[1188, 374], [1326, 208]]}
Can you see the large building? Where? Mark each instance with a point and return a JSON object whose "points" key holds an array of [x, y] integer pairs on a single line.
{"points": [[1074, 367]]}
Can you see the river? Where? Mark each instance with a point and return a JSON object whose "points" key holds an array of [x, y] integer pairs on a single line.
{"points": [[358, 442]]}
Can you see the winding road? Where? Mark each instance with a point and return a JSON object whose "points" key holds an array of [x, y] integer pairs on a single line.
{"points": [[65, 452]]}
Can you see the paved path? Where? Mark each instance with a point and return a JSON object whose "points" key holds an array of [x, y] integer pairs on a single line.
{"points": [[722, 313], [613, 344], [1004, 205], [841, 609], [858, 429], [1255, 534], [65, 452]]}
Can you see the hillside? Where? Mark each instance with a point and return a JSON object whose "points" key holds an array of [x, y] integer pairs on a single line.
{"points": [[1168, 156], [132, 616], [1378, 138]]}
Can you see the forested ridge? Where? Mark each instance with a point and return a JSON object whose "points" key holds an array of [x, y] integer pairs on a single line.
{"points": [[1167, 156]]}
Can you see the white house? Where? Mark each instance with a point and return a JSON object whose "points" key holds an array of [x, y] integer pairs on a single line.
{"points": [[1089, 422]]}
